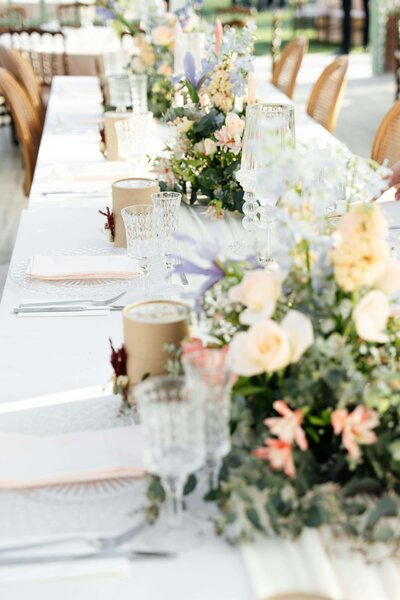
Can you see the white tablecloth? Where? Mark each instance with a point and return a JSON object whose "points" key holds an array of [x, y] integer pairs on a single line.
{"points": [[40, 355]]}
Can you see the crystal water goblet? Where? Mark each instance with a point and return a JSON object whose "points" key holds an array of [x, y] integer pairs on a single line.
{"points": [[172, 421], [209, 369], [168, 203], [141, 226]]}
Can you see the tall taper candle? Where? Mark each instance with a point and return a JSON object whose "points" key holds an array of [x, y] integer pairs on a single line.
{"points": [[251, 89]]}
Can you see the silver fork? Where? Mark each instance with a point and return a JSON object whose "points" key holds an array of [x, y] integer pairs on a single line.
{"points": [[98, 542], [72, 302], [85, 192]]}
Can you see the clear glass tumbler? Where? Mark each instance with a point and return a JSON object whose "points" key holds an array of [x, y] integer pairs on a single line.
{"points": [[133, 140], [119, 89], [172, 417], [138, 91]]}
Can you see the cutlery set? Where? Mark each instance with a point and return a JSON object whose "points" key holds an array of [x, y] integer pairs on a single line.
{"points": [[71, 306], [104, 547]]}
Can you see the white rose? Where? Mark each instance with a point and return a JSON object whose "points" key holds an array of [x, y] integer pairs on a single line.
{"points": [[210, 147], [258, 291], [370, 317], [301, 333], [389, 282], [200, 147]]}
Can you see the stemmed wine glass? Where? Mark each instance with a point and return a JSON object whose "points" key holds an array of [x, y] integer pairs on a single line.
{"points": [[168, 203], [172, 418], [141, 225], [268, 130], [275, 131], [209, 369]]}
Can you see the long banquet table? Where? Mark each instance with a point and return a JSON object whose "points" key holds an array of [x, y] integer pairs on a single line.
{"points": [[47, 355]]}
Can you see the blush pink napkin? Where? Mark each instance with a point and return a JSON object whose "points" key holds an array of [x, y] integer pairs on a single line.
{"points": [[32, 461], [58, 268]]}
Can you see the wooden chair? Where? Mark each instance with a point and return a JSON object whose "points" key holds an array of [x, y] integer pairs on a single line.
{"points": [[386, 145], [17, 65], [26, 123], [287, 67], [74, 13], [238, 16], [327, 93], [12, 16], [45, 50]]}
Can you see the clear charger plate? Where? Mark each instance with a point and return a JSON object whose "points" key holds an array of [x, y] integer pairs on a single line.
{"points": [[88, 415], [97, 289]]}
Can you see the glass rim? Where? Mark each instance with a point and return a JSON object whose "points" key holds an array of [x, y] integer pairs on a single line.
{"points": [[144, 209], [140, 390], [285, 106], [166, 194]]}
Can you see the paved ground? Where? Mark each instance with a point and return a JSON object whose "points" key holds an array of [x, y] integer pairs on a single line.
{"points": [[365, 103]]}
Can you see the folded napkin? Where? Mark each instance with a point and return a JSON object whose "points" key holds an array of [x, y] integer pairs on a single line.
{"points": [[70, 457], [99, 568], [100, 170], [288, 570], [60, 268]]}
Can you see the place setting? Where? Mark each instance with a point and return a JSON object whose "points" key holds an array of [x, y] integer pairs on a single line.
{"points": [[200, 319]]}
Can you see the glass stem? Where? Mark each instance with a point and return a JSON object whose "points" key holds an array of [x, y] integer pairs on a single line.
{"points": [[173, 487], [213, 469]]}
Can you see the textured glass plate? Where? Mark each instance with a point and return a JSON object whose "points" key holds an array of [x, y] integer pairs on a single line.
{"points": [[97, 289], [88, 415]]}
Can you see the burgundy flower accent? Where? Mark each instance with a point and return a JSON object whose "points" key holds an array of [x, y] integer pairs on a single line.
{"points": [[118, 360], [110, 224]]}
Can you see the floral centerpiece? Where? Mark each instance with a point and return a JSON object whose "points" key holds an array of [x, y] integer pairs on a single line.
{"points": [[209, 124], [154, 48], [316, 347]]}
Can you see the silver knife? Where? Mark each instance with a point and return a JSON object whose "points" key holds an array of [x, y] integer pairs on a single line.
{"points": [[55, 558], [63, 309]]}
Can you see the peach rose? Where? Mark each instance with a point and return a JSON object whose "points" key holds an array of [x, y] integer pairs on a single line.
{"points": [[370, 317], [268, 346], [163, 36], [258, 291]]}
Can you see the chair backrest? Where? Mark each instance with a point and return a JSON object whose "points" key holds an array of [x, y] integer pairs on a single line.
{"points": [[13, 61], [72, 14], [45, 50], [327, 93], [237, 16], [287, 67], [386, 145], [12, 16], [25, 120]]}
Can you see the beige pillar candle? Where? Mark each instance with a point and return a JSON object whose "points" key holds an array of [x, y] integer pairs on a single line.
{"points": [[148, 327], [110, 118], [127, 192]]}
